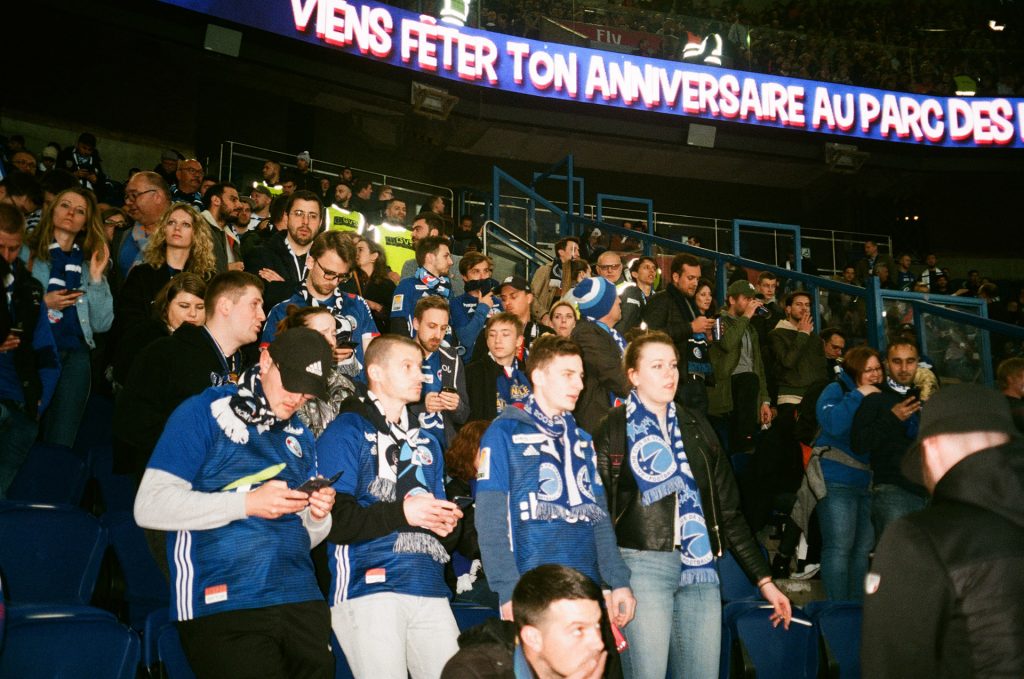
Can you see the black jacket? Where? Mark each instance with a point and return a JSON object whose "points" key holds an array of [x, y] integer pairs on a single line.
{"points": [[135, 298], [946, 591], [880, 435], [274, 255], [652, 527], [482, 385], [164, 374], [602, 373], [671, 312]]}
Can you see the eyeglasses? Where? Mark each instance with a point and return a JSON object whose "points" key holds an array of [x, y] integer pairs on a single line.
{"points": [[332, 275], [301, 215], [876, 369], [132, 196], [609, 267], [191, 170]]}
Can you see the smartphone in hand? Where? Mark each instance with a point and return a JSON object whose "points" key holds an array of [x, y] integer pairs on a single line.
{"points": [[313, 485]]}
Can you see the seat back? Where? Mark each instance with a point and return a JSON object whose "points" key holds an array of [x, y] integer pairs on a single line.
{"points": [[470, 615], [840, 628], [172, 655], [146, 589], [774, 652], [51, 474], [49, 553], [56, 641], [735, 585]]}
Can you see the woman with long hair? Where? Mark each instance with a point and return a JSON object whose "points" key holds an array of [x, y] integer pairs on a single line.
{"points": [[676, 508], [563, 318], [318, 413], [68, 254], [377, 286], [844, 514], [181, 242], [179, 301]]}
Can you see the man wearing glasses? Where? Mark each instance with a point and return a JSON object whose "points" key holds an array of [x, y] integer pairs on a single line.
{"points": [[146, 198], [609, 267], [281, 261], [186, 189], [328, 263]]}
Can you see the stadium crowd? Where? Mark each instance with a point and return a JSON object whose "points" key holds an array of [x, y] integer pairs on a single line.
{"points": [[300, 364], [908, 45]]}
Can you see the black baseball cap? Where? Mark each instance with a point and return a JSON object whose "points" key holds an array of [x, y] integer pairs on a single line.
{"points": [[958, 409], [304, 358], [517, 282]]}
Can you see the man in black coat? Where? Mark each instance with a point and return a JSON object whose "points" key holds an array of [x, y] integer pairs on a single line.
{"points": [[674, 312], [604, 380], [174, 368], [281, 260], [945, 595], [884, 426], [496, 381]]}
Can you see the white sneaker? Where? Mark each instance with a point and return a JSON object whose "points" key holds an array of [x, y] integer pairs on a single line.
{"points": [[808, 572]]}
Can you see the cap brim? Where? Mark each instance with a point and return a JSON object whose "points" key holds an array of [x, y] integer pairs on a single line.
{"points": [[305, 383]]}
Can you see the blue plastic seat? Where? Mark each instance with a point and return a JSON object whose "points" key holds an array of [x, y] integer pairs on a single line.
{"points": [[767, 652], [146, 590], [172, 655], [51, 474], [735, 585], [116, 490], [67, 642], [839, 623], [470, 615], [49, 553]]}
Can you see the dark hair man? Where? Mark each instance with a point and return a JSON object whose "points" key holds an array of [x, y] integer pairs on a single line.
{"points": [[445, 401], [552, 281], [388, 596], [674, 312], [329, 263], [434, 261], [635, 294], [497, 380], [29, 361], [539, 497], [471, 309], [429, 224], [223, 481], [223, 207], [883, 428], [282, 261], [945, 595]]}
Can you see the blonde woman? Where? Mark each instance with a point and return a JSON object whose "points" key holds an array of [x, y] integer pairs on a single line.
{"points": [[180, 243], [68, 254]]}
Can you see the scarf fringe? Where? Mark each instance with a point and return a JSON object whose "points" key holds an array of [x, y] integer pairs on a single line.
{"points": [[703, 575], [587, 511], [421, 543], [382, 489], [672, 485], [228, 421]]}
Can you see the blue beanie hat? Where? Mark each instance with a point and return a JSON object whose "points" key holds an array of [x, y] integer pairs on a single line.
{"points": [[595, 297]]}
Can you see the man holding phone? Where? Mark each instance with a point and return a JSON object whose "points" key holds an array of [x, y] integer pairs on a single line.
{"points": [[445, 404], [328, 264], [884, 427], [388, 595]]}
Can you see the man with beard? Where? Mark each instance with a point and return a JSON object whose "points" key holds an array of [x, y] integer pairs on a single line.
{"points": [[328, 263], [445, 403], [635, 295], [281, 261], [434, 261], [221, 213]]}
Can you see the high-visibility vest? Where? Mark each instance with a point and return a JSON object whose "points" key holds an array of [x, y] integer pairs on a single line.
{"points": [[340, 219], [275, 189], [396, 241]]}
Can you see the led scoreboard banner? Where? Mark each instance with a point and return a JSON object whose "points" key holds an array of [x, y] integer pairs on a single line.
{"points": [[422, 43]]}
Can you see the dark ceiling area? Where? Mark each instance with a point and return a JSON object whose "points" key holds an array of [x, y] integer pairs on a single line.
{"points": [[140, 67]]}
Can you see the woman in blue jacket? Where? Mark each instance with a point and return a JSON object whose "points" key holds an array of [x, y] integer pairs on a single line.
{"points": [[68, 254], [845, 512]]}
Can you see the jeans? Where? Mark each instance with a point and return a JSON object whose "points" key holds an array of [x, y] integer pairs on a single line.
{"points": [[677, 626], [17, 434], [392, 636], [889, 502], [846, 540], [61, 420]]}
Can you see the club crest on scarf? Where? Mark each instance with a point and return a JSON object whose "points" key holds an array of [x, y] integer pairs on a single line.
{"points": [[247, 406]]}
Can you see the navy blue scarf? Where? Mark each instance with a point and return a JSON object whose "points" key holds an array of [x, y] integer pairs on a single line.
{"points": [[436, 285], [661, 469], [565, 489], [65, 274]]}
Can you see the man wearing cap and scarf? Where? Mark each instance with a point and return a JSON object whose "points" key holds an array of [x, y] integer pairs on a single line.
{"points": [[945, 595], [604, 381], [223, 481]]}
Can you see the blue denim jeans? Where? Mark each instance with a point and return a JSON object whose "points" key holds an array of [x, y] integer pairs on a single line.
{"points": [[62, 417], [677, 626], [17, 434], [846, 540], [889, 502]]}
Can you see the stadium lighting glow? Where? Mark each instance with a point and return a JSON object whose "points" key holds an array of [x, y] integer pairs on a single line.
{"points": [[995, 25]]}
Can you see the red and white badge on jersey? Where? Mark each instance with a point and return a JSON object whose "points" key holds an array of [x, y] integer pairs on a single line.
{"points": [[216, 594], [375, 576]]}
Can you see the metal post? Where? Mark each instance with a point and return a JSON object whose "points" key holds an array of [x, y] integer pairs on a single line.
{"points": [[875, 322]]}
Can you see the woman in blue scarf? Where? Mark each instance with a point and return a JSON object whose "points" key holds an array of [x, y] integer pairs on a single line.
{"points": [[674, 501], [68, 254]]}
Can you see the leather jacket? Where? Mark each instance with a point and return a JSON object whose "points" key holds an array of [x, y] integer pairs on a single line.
{"points": [[652, 527]]}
